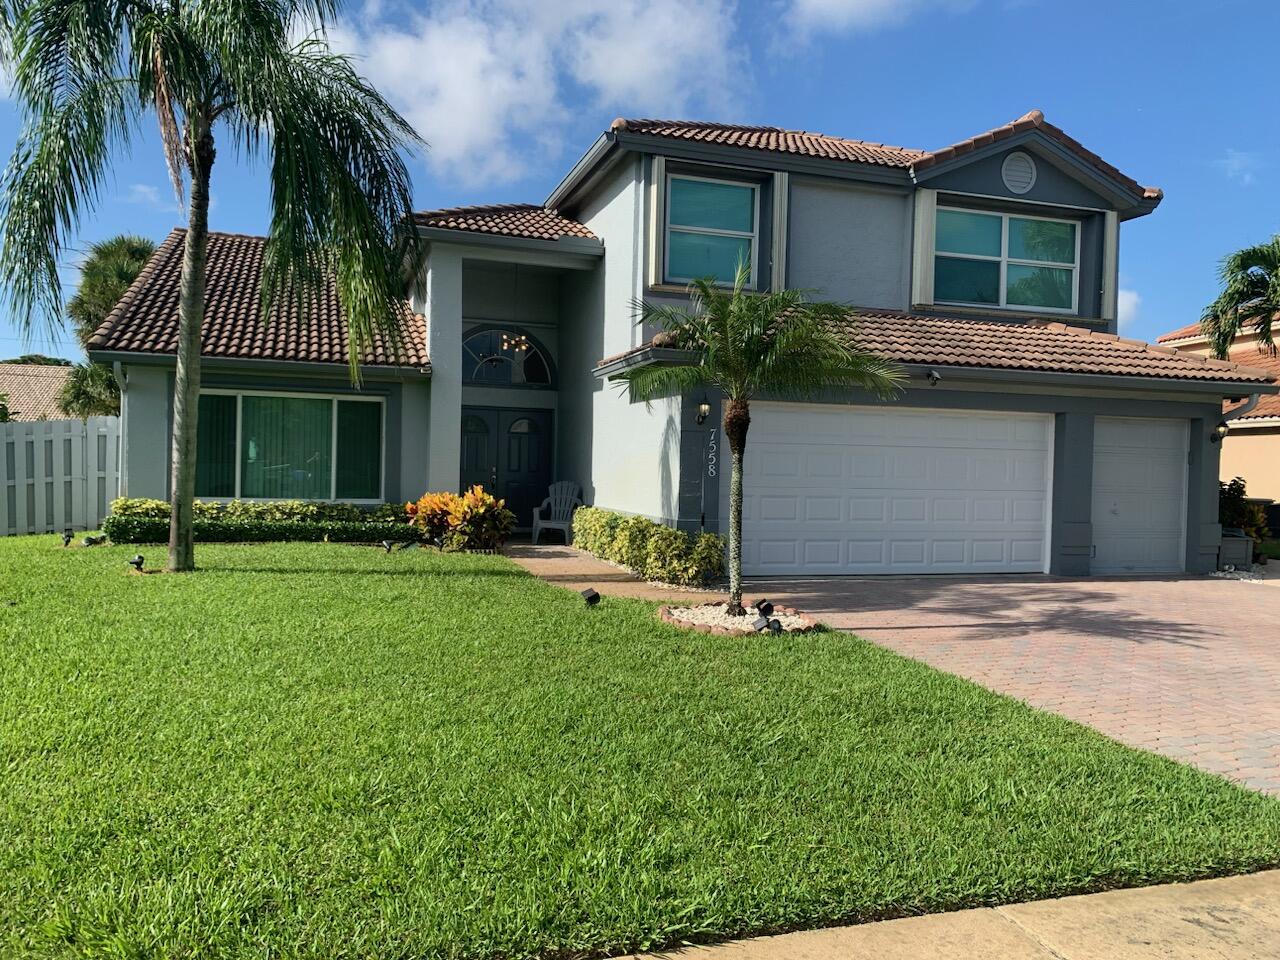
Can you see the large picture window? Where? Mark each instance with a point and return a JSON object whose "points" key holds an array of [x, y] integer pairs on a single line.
{"points": [[1004, 260], [259, 446], [712, 226]]}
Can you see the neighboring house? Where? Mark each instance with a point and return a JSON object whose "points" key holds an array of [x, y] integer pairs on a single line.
{"points": [[33, 389], [1252, 448], [1030, 437]]}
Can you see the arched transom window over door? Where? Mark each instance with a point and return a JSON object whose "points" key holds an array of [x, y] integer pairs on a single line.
{"points": [[504, 358]]}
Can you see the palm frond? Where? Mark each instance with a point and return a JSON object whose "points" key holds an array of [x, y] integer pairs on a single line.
{"points": [[1250, 297]]}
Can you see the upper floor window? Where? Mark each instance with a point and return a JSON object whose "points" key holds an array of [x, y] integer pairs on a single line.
{"points": [[712, 227], [1003, 260], [504, 358]]}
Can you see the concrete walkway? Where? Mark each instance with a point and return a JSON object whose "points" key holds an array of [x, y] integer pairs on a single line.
{"points": [[1236, 918]]}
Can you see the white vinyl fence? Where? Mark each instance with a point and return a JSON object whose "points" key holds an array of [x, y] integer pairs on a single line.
{"points": [[57, 475]]}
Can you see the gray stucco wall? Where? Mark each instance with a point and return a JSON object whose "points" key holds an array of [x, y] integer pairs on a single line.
{"points": [[851, 244], [147, 417], [626, 456], [1052, 186]]}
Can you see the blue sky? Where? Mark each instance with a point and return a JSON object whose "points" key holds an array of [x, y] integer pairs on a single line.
{"points": [[508, 94]]}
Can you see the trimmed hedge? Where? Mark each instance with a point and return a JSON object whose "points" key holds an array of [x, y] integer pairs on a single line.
{"points": [[147, 521], [651, 550]]}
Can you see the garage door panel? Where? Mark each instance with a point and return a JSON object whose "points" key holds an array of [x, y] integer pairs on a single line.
{"points": [[1139, 495], [915, 492]]}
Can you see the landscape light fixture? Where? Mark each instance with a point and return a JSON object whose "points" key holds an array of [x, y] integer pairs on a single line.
{"points": [[775, 626], [67, 537], [764, 606], [934, 378], [94, 541], [591, 597], [704, 410], [760, 624], [387, 545], [136, 562], [1219, 432]]}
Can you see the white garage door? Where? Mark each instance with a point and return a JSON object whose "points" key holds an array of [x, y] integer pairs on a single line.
{"points": [[1139, 495], [862, 490]]}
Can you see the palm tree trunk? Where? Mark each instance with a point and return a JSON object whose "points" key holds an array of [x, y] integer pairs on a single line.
{"points": [[737, 420], [186, 386]]}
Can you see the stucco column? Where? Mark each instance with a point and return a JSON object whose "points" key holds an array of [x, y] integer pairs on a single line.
{"points": [[1204, 533], [1071, 546], [443, 304]]}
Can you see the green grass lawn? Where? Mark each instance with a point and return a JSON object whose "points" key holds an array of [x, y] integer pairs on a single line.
{"points": [[315, 750]]}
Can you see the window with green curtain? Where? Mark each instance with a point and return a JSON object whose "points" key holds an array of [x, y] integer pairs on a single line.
{"points": [[359, 450], [711, 228], [286, 448], [216, 446]]}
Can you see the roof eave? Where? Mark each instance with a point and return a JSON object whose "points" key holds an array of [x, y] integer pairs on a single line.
{"points": [[580, 172], [572, 246], [157, 359]]}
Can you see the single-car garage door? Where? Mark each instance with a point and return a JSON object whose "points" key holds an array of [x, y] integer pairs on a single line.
{"points": [[862, 490], [1139, 495]]}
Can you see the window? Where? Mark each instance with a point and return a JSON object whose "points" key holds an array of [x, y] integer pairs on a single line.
{"points": [[260, 446], [711, 228], [1003, 260], [504, 358]]}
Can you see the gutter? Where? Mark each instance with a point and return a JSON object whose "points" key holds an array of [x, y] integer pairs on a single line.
{"points": [[373, 371]]}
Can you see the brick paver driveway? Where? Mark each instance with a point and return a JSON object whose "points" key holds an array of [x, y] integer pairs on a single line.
{"points": [[1187, 667]]}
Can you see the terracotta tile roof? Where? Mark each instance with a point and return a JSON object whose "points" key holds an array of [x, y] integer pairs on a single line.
{"points": [[1269, 405], [1035, 120], [1046, 347], [33, 389], [1182, 333], [1192, 332], [146, 318], [775, 139], [525, 220], [804, 143]]}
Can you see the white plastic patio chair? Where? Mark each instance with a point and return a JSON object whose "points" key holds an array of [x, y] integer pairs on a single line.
{"points": [[556, 512]]}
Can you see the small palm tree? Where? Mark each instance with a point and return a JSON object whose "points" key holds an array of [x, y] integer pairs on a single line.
{"points": [[85, 72], [107, 272], [748, 345], [1250, 296]]}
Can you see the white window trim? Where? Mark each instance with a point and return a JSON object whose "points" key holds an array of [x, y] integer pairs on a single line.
{"points": [[1005, 260], [333, 399], [753, 235]]}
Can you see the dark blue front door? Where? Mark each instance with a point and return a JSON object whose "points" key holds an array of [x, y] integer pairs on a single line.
{"points": [[508, 452]]}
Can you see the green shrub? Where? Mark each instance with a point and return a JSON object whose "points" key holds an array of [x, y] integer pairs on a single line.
{"points": [[133, 529], [1235, 509], [652, 550], [147, 521]]}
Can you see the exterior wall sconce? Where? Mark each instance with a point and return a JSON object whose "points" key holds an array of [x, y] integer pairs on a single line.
{"points": [[704, 411], [1219, 432]]}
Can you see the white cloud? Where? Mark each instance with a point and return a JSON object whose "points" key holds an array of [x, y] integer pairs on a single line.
{"points": [[489, 83], [1127, 304], [1240, 166], [809, 17], [159, 198]]}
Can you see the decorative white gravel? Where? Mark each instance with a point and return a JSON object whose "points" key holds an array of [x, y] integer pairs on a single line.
{"points": [[1249, 576], [715, 615]]}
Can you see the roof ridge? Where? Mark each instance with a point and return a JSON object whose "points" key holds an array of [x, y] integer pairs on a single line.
{"points": [[480, 207], [625, 123]]}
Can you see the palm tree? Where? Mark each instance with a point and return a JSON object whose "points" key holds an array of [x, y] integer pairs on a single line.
{"points": [[778, 345], [85, 72], [1250, 296], [106, 273]]}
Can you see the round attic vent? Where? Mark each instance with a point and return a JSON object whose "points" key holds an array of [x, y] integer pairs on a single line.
{"points": [[1018, 172]]}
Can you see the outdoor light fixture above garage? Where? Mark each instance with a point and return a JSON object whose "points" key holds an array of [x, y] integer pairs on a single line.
{"points": [[1219, 432], [704, 411]]}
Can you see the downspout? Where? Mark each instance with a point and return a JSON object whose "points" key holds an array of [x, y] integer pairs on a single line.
{"points": [[122, 445], [1244, 409]]}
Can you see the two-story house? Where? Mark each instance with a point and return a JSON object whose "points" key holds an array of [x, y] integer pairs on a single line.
{"points": [[1030, 437]]}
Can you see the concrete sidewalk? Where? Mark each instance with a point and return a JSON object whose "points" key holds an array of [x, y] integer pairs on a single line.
{"points": [[1236, 918]]}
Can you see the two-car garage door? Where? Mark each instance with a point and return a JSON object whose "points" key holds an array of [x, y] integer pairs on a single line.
{"points": [[866, 490], [880, 490]]}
